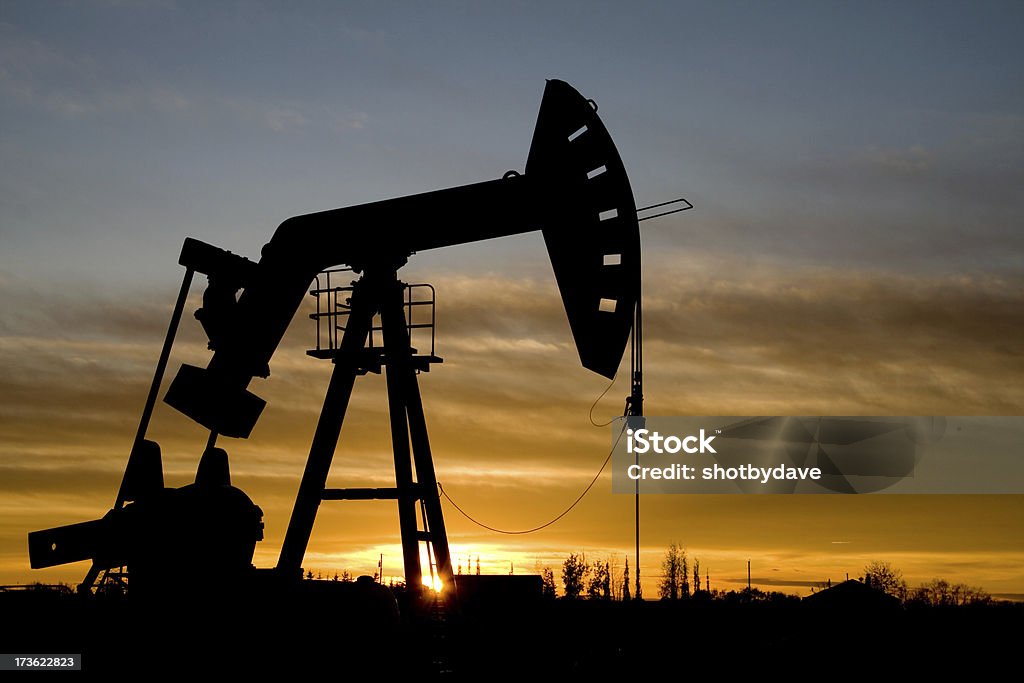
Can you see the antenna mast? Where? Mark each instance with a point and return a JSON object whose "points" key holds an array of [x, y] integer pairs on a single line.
{"points": [[634, 414]]}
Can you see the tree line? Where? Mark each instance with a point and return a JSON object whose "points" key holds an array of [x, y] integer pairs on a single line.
{"points": [[681, 579], [937, 592], [599, 580]]}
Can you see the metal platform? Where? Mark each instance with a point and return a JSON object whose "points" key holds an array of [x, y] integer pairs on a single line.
{"points": [[334, 306]]}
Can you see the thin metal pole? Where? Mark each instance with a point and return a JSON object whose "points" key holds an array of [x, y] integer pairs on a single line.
{"points": [[147, 411], [165, 354], [636, 497], [158, 374], [634, 418]]}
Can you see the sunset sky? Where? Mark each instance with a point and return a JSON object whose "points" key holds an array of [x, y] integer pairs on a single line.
{"points": [[856, 250]]}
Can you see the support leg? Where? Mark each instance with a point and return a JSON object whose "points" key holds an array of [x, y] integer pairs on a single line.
{"points": [[402, 382], [428, 483], [325, 440], [396, 350]]}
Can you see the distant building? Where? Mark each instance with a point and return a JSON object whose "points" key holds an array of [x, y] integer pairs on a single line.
{"points": [[852, 595]]}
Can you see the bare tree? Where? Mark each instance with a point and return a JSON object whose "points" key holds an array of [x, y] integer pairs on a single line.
{"points": [[886, 578], [625, 581], [971, 595], [673, 574], [941, 593], [574, 574], [684, 589], [548, 589], [615, 581], [936, 592], [599, 586]]}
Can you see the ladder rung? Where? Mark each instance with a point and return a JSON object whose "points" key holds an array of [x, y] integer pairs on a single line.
{"points": [[360, 494], [369, 494], [424, 536]]}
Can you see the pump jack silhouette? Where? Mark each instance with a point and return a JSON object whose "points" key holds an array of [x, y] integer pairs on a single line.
{"points": [[574, 190]]}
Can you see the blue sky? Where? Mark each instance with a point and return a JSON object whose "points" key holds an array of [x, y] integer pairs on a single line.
{"points": [[864, 135]]}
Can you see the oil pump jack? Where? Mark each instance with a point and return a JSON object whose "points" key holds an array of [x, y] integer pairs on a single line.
{"points": [[574, 190]]}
